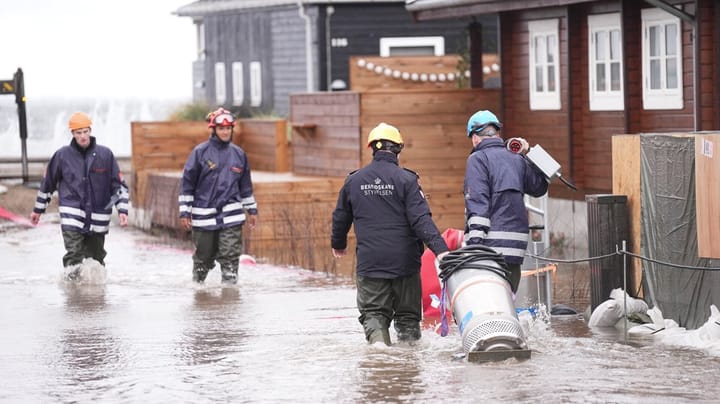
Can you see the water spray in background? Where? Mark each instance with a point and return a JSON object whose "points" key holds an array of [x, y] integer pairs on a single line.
{"points": [[47, 123]]}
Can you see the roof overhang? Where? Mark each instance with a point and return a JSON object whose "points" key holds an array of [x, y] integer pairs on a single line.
{"points": [[206, 7], [437, 9]]}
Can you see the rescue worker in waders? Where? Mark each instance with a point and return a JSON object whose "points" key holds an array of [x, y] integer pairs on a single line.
{"points": [[392, 220], [496, 181], [216, 199], [89, 183]]}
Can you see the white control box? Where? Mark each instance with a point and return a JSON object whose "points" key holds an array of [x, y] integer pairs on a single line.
{"points": [[544, 162]]}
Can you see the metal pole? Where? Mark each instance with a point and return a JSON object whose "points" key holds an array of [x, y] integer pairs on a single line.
{"points": [[625, 289], [20, 101]]}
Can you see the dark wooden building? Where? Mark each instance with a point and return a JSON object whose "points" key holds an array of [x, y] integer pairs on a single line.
{"points": [[576, 72], [252, 54]]}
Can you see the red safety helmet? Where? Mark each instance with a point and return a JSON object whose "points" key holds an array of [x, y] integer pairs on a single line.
{"points": [[220, 117]]}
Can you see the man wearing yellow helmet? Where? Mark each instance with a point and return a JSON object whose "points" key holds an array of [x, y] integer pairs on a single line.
{"points": [[88, 181], [392, 220]]}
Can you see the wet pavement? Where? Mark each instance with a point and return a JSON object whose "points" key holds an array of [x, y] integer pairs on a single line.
{"points": [[148, 334]]}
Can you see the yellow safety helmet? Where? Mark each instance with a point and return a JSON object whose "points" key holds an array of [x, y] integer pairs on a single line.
{"points": [[384, 132], [79, 120]]}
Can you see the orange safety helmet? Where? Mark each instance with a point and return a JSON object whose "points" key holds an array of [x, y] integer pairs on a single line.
{"points": [[79, 120], [220, 117]]}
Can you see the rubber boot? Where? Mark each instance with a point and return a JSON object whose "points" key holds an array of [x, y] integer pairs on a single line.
{"points": [[229, 276], [72, 272], [408, 334], [380, 336], [199, 274]]}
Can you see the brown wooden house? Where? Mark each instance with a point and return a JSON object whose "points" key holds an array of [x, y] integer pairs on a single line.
{"points": [[577, 72]]}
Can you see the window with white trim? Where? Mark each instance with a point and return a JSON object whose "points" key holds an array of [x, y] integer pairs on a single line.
{"points": [[238, 87], [220, 90], [606, 63], [412, 46], [544, 64], [200, 38], [661, 60], [255, 84]]}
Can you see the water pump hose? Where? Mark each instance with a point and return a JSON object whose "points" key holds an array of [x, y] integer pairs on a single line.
{"points": [[469, 257]]}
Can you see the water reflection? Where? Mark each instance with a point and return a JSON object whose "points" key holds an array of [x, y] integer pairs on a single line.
{"points": [[390, 376], [89, 351], [214, 331]]}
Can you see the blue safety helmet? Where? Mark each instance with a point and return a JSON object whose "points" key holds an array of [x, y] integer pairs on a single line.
{"points": [[480, 120]]}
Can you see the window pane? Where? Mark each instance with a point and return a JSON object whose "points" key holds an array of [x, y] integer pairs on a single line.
{"points": [[615, 76], [655, 41], [539, 49], [600, 84], [551, 48], [671, 33], [539, 79], [655, 74], [551, 78], [671, 73], [615, 44], [600, 41]]}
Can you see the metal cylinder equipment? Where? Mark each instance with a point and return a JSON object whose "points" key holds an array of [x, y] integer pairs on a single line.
{"points": [[480, 299]]}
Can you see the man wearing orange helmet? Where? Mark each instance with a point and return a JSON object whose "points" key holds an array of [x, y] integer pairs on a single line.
{"points": [[392, 220], [216, 198], [87, 178]]}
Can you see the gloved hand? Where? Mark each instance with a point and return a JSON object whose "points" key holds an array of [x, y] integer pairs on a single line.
{"points": [[517, 145]]}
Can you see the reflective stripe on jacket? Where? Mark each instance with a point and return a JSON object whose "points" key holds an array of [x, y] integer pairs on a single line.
{"points": [[216, 188]]}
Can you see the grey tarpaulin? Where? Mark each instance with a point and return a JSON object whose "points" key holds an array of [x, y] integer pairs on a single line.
{"points": [[669, 232]]}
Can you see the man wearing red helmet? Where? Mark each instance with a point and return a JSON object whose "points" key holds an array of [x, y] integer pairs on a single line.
{"points": [[216, 199]]}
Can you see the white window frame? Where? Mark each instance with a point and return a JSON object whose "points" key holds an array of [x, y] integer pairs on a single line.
{"points": [[544, 99], [220, 84], [605, 99], [436, 42], [238, 85], [663, 97], [200, 35], [255, 84]]}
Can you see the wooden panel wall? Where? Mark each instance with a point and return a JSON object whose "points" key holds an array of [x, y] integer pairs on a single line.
{"points": [[708, 17], [626, 181], [325, 133], [707, 194], [266, 143], [375, 73]]}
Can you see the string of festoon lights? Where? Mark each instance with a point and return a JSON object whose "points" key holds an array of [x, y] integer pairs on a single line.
{"points": [[397, 74]]}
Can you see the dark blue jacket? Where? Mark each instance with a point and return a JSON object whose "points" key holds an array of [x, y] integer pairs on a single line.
{"points": [[496, 181], [392, 219], [87, 182], [216, 188]]}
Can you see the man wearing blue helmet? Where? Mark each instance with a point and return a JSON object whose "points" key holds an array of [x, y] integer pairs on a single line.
{"points": [[496, 181]]}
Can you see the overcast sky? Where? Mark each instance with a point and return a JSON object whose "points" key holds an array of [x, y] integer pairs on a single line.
{"points": [[97, 48]]}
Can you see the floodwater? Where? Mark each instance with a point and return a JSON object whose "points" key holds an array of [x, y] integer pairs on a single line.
{"points": [[148, 334]]}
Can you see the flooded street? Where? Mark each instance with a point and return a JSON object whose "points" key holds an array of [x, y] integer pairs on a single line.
{"points": [[148, 334]]}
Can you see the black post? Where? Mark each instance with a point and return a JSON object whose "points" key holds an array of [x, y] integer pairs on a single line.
{"points": [[22, 116], [608, 227]]}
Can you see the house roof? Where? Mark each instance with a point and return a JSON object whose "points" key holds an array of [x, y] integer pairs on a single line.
{"points": [[436, 9], [204, 7]]}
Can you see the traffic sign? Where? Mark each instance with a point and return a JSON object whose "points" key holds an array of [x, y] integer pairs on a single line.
{"points": [[7, 86]]}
